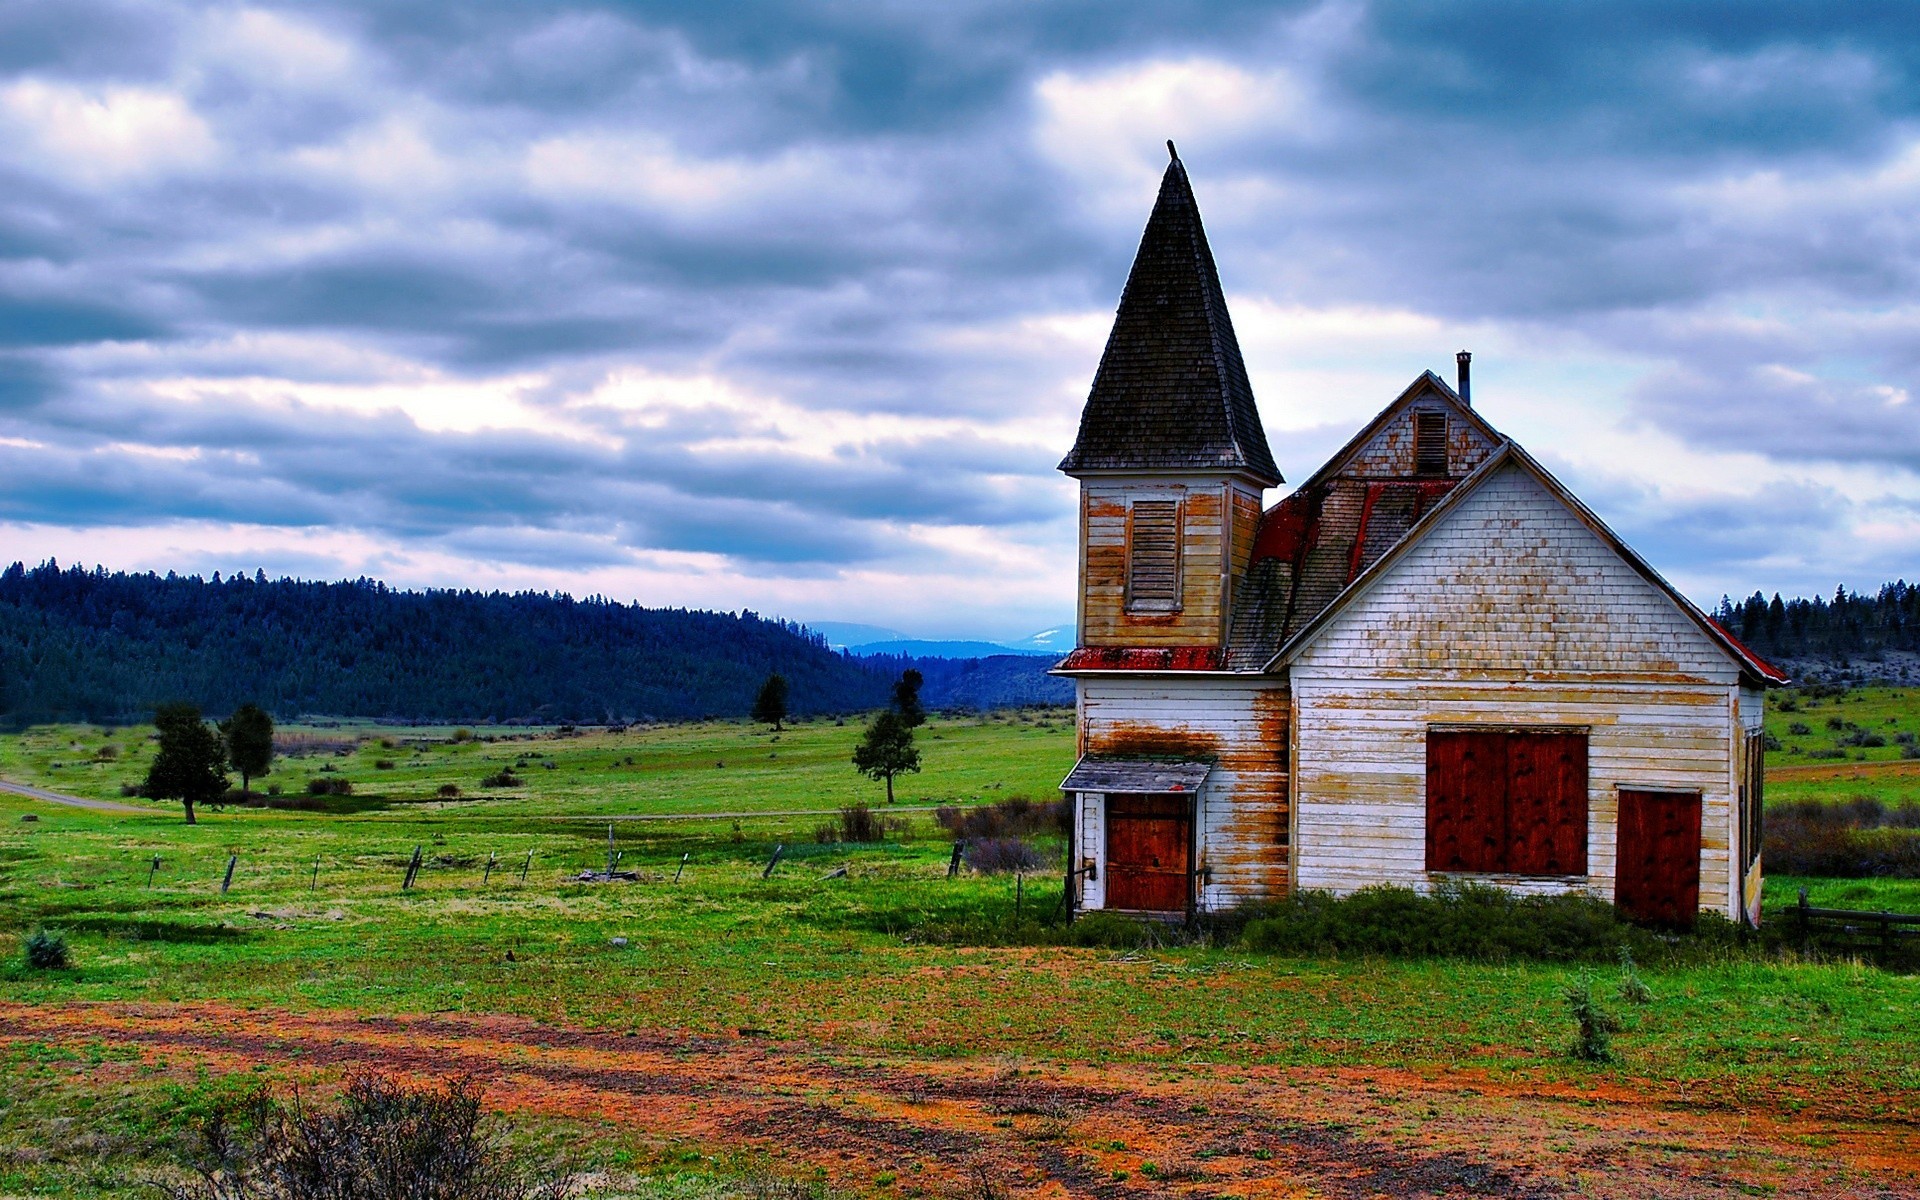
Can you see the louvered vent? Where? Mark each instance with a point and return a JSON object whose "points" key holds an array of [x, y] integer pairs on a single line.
{"points": [[1153, 556], [1430, 444]]}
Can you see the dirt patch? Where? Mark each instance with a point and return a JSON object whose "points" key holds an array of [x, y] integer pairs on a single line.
{"points": [[1901, 769], [944, 1125]]}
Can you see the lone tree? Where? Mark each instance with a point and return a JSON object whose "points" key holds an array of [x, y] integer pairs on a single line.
{"points": [[770, 707], [887, 750], [249, 736], [906, 698], [191, 764]]}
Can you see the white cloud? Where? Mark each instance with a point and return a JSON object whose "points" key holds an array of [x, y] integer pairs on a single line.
{"points": [[108, 135]]}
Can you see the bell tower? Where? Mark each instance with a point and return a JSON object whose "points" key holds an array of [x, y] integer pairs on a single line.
{"points": [[1171, 457]]}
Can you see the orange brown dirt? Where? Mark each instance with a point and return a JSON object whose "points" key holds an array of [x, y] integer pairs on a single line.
{"points": [[946, 1125], [1903, 769]]}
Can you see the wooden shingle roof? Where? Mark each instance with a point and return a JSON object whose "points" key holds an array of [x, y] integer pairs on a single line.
{"points": [[1172, 392]]}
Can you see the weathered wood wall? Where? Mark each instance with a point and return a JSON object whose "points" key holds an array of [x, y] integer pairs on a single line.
{"points": [[1511, 612], [1218, 518], [1240, 723], [1388, 454]]}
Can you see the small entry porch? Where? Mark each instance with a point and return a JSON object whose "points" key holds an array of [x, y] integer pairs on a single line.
{"points": [[1135, 842]]}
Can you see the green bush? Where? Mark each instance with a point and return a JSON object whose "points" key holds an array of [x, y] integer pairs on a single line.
{"points": [[1594, 1026], [1458, 920], [46, 950], [1113, 931]]}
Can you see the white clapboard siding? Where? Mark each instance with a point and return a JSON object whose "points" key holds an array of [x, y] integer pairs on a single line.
{"points": [[1240, 722], [1510, 612]]}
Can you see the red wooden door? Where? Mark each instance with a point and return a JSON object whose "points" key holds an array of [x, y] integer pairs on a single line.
{"points": [[1149, 852], [1658, 880]]}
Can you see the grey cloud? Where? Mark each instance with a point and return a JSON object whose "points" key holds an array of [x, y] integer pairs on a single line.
{"points": [[1786, 414]]}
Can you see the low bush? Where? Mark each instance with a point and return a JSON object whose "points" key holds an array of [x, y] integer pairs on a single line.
{"points": [[1112, 931], [1003, 856], [858, 823], [1014, 817], [448, 791], [501, 779], [1468, 920], [1855, 839], [1799, 728], [329, 787], [46, 950], [383, 764], [383, 1139], [1594, 1026]]}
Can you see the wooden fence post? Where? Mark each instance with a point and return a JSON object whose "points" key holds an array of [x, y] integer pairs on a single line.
{"points": [[773, 862], [489, 873], [525, 865], [228, 881], [315, 881], [413, 869], [152, 869], [683, 865], [953, 864]]}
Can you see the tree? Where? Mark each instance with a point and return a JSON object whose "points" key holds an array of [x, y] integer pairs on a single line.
{"points": [[887, 750], [906, 698], [770, 707], [249, 737], [191, 764]]}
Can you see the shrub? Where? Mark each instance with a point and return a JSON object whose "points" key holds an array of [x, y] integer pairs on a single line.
{"points": [[857, 823], [1857, 838], [107, 753], [999, 856], [1799, 729], [384, 1139], [448, 791], [463, 735], [1786, 703], [46, 950], [504, 778], [1836, 724], [383, 764], [1469, 920], [1594, 1026], [1112, 931], [329, 787], [1014, 817]]}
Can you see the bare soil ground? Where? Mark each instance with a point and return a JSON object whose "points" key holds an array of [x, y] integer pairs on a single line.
{"points": [[979, 1126]]}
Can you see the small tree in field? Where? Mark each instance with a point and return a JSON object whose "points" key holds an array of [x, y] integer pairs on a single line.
{"points": [[770, 707], [906, 698], [190, 765], [249, 736], [887, 750]]}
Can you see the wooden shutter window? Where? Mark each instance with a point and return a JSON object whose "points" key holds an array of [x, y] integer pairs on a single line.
{"points": [[1153, 556], [1430, 444], [1507, 802]]}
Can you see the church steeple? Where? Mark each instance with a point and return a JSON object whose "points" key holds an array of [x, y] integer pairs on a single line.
{"points": [[1171, 392]]}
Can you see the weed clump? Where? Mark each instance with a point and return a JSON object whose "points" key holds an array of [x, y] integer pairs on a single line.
{"points": [[448, 791], [1594, 1026], [503, 778], [858, 824], [384, 1139], [329, 787], [1013, 817], [46, 950], [1003, 856]]}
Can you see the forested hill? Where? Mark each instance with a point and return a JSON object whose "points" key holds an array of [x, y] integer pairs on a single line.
{"points": [[1852, 625], [94, 646]]}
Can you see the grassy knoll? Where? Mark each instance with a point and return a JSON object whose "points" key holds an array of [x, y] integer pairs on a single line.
{"points": [[1862, 725], [891, 964]]}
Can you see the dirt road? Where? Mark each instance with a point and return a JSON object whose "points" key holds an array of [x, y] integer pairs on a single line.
{"points": [[34, 793], [949, 1126]]}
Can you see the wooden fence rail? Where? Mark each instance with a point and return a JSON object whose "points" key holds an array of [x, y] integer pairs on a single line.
{"points": [[1888, 934]]}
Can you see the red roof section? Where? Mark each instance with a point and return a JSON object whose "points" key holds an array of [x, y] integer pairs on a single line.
{"points": [[1131, 658], [1766, 669]]}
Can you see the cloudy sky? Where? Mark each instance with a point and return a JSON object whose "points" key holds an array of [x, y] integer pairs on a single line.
{"points": [[792, 306]]}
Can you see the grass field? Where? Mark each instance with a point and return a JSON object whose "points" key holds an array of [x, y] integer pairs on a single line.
{"points": [[890, 1031]]}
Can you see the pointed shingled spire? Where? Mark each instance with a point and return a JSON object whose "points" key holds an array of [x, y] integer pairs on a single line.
{"points": [[1171, 392]]}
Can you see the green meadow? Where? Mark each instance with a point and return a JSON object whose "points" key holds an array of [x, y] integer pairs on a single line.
{"points": [[840, 949]]}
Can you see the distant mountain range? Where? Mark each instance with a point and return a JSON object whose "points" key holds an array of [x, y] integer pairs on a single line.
{"points": [[876, 639]]}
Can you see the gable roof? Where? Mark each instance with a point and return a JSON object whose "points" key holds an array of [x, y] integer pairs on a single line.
{"points": [[1424, 385], [1171, 392], [1752, 666]]}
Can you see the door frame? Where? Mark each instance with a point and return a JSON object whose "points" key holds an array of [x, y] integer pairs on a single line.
{"points": [[1191, 873]]}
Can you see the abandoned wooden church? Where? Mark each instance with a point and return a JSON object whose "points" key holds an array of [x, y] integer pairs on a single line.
{"points": [[1428, 662]]}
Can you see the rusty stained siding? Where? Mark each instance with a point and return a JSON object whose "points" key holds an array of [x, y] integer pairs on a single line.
{"points": [[1512, 613], [1751, 721], [1389, 453], [1200, 619], [1238, 722]]}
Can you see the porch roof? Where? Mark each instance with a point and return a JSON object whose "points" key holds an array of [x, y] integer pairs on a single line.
{"points": [[1148, 776]]}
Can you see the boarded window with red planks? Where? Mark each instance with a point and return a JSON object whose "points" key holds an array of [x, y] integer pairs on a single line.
{"points": [[1429, 444], [1507, 801], [1153, 556]]}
